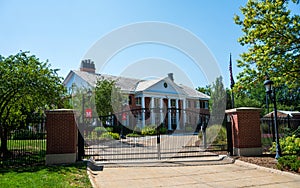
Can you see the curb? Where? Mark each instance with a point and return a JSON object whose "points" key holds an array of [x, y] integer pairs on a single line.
{"points": [[91, 177], [221, 160], [272, 170]]}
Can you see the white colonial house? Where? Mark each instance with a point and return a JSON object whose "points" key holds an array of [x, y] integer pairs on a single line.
{"points": [[153, 101]]}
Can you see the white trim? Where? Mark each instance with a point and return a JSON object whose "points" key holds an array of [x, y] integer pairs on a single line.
{"points": [[177, 115], [152, 111], [161, 110], [143, 111], [169, 115]]}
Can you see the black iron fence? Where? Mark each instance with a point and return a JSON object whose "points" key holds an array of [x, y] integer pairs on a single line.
{"points": [[286, 126], [25, 146]]}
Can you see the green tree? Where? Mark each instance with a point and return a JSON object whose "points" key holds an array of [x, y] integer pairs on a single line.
{"points": [[271, 33], [83, 98], [206, 90], [108, 97], [253, 97], [217, 101], [27, 85]]}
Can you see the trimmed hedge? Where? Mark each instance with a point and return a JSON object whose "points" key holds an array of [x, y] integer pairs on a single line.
{"points": [[215, 134]]}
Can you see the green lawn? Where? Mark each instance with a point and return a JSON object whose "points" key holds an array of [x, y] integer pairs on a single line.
{"points": [[30, 145], [25, 152], [45, 176]]}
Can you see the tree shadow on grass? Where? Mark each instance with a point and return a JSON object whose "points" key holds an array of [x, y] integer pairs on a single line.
{"points": [[64, 168]]}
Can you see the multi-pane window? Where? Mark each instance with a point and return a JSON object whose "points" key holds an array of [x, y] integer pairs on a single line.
{"points": [[138, 101], [173, 103], [189, 104], [197, 104], [206, 104]]}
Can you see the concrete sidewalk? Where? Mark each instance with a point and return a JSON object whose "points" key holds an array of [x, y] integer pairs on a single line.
{"points": [[238, 174]]}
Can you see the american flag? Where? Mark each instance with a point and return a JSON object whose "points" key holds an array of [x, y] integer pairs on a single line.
{"points": [[230, 71]]}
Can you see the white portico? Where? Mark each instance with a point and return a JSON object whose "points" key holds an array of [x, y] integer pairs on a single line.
{"points": [[164, 100], [151, 102]]}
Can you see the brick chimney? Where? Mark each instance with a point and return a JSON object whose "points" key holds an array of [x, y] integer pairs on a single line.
{"points": [[87, 66], [170, 75]]}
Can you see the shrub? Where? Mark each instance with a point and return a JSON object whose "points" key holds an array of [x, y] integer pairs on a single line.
{"points": [[109, 129], [137, 130], [290, 145], [110, 135], [149, 130], [286, 131], [100, 129], [297, 132], [163, 130], [215, 134], [189, 128], [264, 128], [291, 162], [133, 135], [92, 135], [27, 135]]}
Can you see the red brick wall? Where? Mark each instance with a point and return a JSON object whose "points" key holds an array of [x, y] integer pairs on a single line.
{"points": [[61, 132], [246, 129]]}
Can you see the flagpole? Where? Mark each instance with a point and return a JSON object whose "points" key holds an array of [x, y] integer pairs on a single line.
{"points": [[231, 82]]}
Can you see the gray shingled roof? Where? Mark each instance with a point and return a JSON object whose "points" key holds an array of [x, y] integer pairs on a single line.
{"points": [[126, 84], [145, 84], [133, 84], [193, 92]]}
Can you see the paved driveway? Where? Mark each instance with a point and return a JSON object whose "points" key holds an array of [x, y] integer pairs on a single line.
{"points": [[238, 174]]}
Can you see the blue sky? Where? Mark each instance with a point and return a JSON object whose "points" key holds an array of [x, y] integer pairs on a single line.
{"points": [[64, 31]]}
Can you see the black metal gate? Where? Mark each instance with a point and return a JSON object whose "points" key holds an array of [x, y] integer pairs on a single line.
{"points": [[107, 143], [145, 148]]}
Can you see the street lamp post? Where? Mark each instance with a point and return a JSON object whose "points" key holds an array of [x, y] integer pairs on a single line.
{"points": [[272, 95]]}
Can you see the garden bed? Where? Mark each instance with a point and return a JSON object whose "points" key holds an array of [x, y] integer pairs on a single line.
{"points": [[265, 160]]}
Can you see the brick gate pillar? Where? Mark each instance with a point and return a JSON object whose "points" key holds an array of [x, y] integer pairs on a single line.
{"points": [[61, 136], [246, 134]]}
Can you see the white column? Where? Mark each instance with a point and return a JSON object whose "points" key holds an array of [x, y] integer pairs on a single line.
{"points": [[143, 111], [169, 115], [161, 110], [177, 115], [152, 111], [184, 112]]}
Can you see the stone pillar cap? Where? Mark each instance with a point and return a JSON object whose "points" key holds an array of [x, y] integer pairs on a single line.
{"points": [[234, 110], [59, 110]]}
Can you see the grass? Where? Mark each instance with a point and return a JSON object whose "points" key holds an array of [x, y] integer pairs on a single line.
{"points": [[45, 176], [26, 144], [24, 152]]}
